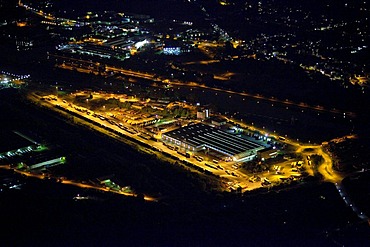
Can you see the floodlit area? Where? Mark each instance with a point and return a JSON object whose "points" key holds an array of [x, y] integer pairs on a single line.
{"points": [[242, 156], [199, 137]]}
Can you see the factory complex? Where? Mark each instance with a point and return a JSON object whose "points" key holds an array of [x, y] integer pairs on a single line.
{"points": [[213, 141]]}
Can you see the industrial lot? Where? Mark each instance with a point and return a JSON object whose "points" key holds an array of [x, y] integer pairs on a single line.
{"points": [[242, 157]]}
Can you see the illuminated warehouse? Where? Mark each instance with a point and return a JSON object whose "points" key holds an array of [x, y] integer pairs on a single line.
{"points": [[198, 137]]}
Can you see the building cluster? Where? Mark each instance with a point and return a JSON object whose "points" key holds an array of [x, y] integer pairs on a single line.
{"points": [[109, 35], [322, 42], [99, 35]]}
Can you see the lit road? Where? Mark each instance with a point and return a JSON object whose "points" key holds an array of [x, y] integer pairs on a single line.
{"points": [[49, 16], [141, 75], [202, 62], [326, 168], [148, 76], [208, 48], [346, 198], [77, 184], [270, 99]]}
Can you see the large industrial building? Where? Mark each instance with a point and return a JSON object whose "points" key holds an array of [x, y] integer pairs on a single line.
{"points": [[199, 137]]}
